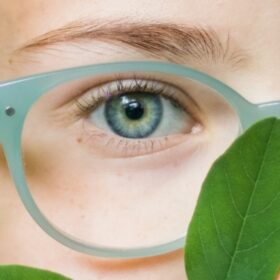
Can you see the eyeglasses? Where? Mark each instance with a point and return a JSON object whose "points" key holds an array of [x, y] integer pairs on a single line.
{"points": [[109, 159]]}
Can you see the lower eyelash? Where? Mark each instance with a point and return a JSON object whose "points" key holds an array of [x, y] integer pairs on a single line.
{"points": [[130, 148], [117, 146]]}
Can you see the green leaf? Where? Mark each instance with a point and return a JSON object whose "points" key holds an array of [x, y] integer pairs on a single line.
{"points": [[17, 272], [235, 231]]}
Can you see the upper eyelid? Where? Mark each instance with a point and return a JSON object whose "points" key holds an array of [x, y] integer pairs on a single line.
{"points": [[97, 97]]}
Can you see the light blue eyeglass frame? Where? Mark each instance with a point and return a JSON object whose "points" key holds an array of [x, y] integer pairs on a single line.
{"points": [[17, 96]]}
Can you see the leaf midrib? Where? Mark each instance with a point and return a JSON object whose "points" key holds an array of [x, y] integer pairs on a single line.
{"points": [[250, 203]]}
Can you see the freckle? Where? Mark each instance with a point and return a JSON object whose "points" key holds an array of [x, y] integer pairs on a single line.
{"points": [[10, 61], [79, 140]]}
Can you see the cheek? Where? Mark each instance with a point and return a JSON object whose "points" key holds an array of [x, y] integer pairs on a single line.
{"points": [[19, 234], [115, 203], [128, 203]]}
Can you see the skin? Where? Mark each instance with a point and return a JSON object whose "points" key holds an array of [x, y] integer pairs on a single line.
{"points": [[255, 29]]}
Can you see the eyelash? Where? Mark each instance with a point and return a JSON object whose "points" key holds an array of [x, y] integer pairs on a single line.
{"points": [[104, 93]]}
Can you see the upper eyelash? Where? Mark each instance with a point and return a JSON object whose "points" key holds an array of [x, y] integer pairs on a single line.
{"points": [[104, 92]]}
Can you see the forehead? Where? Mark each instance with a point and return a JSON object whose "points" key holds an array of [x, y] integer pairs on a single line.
{"points": [[23, 20]]}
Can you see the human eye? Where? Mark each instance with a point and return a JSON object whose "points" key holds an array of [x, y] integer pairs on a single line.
{"points": [[138, 116]]}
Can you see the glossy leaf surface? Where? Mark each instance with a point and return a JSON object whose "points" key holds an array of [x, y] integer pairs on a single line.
{"points": [[235, 230]]}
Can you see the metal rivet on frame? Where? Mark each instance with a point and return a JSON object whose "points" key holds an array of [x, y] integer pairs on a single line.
{"points": [[10, 111]]}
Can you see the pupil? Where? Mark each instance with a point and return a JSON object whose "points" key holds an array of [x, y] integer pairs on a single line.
{"points": [[134, 110]]}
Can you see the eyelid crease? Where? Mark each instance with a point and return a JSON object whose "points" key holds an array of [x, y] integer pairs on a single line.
{"points": [[175, 42]]}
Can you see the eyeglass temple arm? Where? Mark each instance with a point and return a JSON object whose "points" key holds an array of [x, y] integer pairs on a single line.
{"points": [[252, 113]]}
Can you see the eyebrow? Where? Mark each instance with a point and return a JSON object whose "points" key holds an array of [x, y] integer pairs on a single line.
{"points": [[174, 42]]}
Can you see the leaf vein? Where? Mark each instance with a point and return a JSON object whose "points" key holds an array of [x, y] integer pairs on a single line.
{"points": [[231, 195], [260, 271], [260, 243], [266, 208], [244, 167], [204, 251], [218, 231]]}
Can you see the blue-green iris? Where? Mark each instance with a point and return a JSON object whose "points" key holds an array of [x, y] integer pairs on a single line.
{"points": [[134, 115]]}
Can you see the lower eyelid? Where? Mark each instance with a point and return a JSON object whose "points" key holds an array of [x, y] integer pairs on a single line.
{"points": [[109, 145], [186, 151]]}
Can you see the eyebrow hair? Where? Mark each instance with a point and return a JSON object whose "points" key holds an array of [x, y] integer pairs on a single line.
{"points": [[171, 41]]}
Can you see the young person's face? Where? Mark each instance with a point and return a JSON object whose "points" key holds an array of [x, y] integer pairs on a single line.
{"points": [[249, 33]]}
